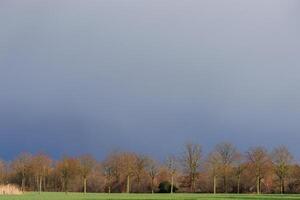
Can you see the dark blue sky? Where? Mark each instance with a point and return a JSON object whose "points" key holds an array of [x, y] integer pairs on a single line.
{"points": [[148, 75]]}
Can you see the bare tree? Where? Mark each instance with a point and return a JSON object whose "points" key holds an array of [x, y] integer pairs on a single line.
{"points": [[40, 165], [108, 173], [3, 171], [191, 163], [86, 165], [68, 168], [21, 165], [171, 163], [258, 158], [227, 155], [128, 161], [213, 164], [152, 169], [113, 170], [281, 159], [139, 168], [224, 169], [239, 167]]}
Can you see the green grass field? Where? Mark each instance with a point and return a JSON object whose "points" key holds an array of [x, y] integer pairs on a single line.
{"points": [[78, 196]]}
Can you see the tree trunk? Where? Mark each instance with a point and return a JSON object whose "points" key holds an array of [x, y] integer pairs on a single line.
{"points": [[37, 183], [193, 186], [128, 184], [238, 184], [152, 185], [84, 185], [172, 184], [225, 184], [40, 184], [215, 184], [191, 182], [63, 186], [44, 183], [225, 179], [66, 184], [23, 184], [258, 185], [281, 185]]}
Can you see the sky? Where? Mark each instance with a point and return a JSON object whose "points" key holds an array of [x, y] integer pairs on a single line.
{"points": [[93, 76]]}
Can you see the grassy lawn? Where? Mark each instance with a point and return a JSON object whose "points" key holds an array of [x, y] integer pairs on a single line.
{"points": [[78, 196]]}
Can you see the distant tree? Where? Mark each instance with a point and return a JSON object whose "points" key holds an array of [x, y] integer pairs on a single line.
{"points": [[21, 166], [238, 168], [108, 173], [128, 161], [3, 172], [293, 184], [172, 166], [40, 166], [191, 162], [213, 164], [224, 169], [282, 160], [152, 169], [258, 158], [227, 154], [86, 165], [96, 180], [113, 169], [139, 168], [68, 168]]}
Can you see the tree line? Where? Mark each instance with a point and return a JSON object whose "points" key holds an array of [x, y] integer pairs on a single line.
{"points": [[223, 170]]}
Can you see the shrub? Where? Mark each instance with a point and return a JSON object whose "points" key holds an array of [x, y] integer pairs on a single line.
{"points": [[165, 187]]}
